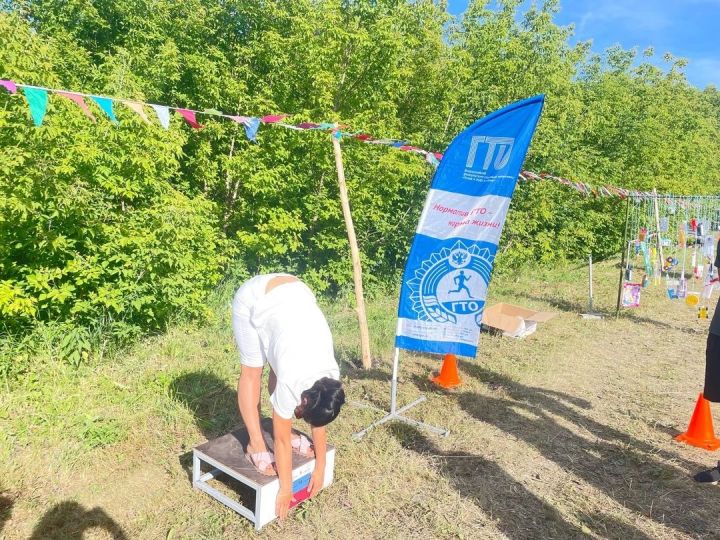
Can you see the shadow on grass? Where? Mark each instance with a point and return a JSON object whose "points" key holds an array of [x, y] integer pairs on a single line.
{"points": [[660, 324], [625, 469], [558, 303], [212, 401], [69, 521], [6, 504], [516, 511], [576, 307]]}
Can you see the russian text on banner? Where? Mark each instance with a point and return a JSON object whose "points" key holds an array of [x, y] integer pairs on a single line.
{"points": [[451, 258]]}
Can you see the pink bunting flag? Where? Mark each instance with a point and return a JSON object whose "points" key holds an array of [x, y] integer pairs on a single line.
{"points": [[239, 119], [273, 118], [10, 86], [138, 109], [307, 125], [80, 102], [363, 137], [189, 116]]}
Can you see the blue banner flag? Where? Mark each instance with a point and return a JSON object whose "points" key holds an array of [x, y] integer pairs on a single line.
{"points": [[451, 258]]}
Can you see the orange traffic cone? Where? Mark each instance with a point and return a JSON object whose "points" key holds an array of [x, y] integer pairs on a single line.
{"points": [[448, 376], [700, 432]]}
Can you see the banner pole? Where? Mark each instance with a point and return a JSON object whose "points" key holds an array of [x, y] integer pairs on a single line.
{"points": [[395, 414], [354, 255], [393, 388]]}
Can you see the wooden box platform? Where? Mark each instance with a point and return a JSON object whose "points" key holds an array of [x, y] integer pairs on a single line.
{"points": [[252, 494]]}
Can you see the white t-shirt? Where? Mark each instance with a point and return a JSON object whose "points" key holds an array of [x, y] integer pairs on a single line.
{"points": [[295, 340]]}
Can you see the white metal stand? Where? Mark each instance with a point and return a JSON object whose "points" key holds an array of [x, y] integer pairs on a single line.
{"points": [[591, 313], [395, 413]]}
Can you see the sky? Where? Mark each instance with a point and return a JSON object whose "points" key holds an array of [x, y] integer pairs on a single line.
{"points": [[685, 28]]}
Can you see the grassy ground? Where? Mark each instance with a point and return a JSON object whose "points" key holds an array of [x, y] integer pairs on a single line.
{"points": [[564, 434]]}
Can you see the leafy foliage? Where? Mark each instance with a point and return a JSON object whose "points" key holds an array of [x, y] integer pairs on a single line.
{"points": [[122, 228]]}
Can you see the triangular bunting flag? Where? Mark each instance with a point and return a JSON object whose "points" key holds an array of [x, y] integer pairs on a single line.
{"points": [[307, 125], [80, 102], [238, 119], [431, 159], [273, 118], [189, 116], [106, 105], [10, 86], [214, 112], [251, 128], [37, 99], [138, 109], [163, 114]]}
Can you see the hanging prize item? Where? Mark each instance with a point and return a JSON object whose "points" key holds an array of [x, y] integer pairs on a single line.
{"points": [[643, 234], [682, 287], [664, 222], [700, 230], [681, 235], [708, 290], [628, 272], [693, 224], [645, 281], [702, 312], [646, 258], [670, 263], [692, 299], [672, 289], [631, 295], [709, 286], [697, 270], [709, 248]]}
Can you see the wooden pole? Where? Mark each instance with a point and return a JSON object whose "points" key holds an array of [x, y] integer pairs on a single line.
{"points": [[624, 254], [661, 258], [354, 254]]}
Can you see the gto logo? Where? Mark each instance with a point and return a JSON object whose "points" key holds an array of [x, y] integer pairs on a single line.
{"points": [[497, 156]]}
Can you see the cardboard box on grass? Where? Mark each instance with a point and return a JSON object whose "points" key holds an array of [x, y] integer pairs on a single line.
{"points": [[514, 321]]}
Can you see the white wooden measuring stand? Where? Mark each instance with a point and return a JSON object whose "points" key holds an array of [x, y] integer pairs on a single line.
{"points": [[222, 461]]}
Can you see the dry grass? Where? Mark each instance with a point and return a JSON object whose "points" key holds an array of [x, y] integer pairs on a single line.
{"points": [[565, 434]]}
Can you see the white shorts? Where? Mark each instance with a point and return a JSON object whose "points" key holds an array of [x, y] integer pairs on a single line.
{"points": [[247, 337]]}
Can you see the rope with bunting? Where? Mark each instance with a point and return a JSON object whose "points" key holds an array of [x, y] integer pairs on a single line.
{"points": [[37, 100]]}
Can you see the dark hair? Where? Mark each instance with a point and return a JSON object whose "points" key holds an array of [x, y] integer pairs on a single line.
{"points": [[324, 399]]}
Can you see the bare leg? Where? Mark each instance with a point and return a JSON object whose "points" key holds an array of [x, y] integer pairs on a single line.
{"points": [[249, 404]]}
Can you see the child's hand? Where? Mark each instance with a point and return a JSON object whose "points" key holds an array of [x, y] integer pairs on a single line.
{"points": [[282, 503], [316, 481]]}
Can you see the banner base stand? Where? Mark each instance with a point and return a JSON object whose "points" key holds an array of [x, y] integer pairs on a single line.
{"points": [[396, 415]]}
